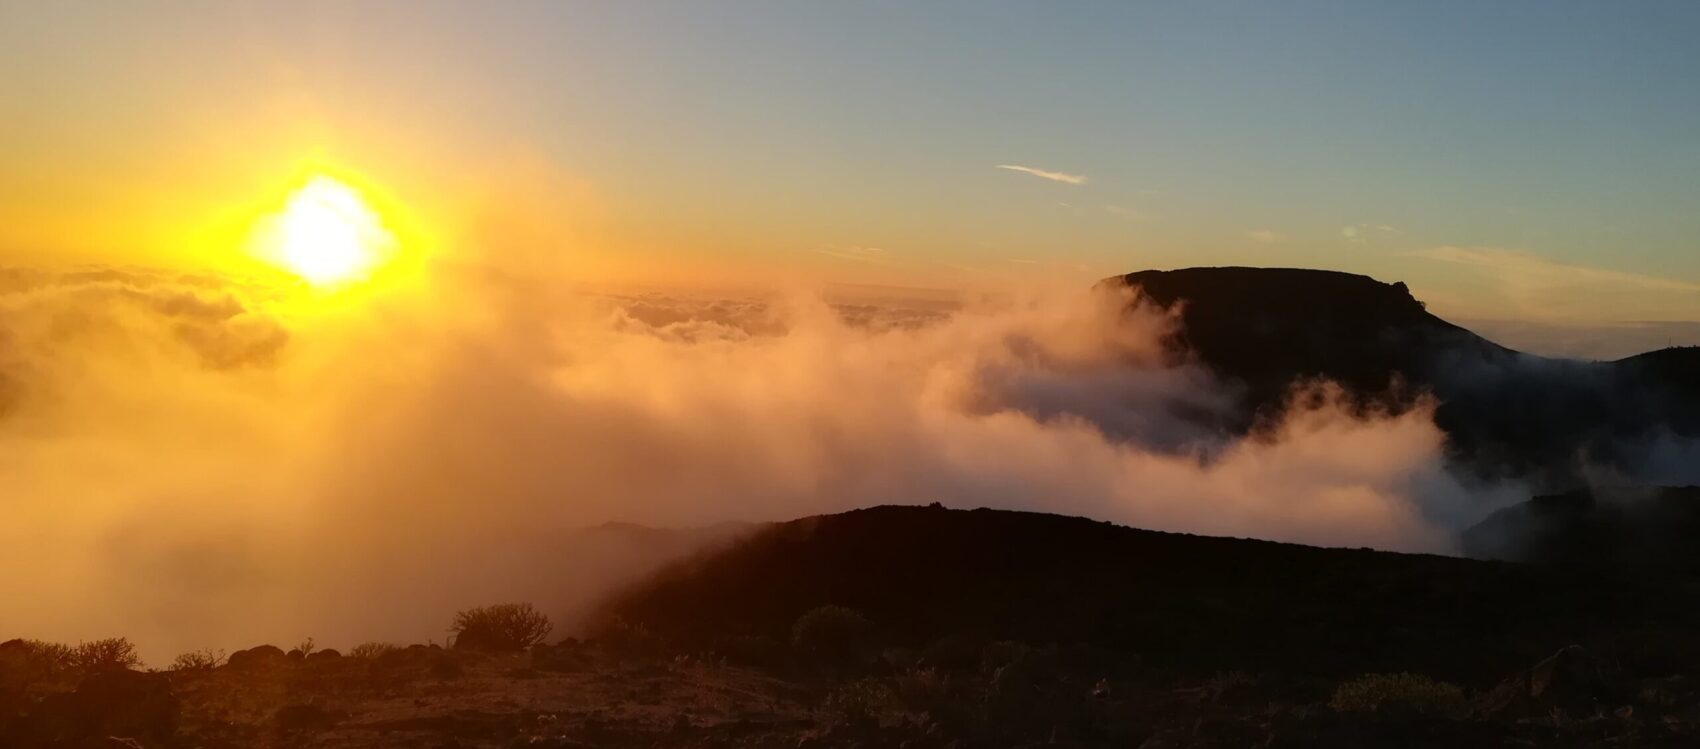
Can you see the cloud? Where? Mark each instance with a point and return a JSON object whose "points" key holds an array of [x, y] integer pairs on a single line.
{"points": [[1600, 341], [1072, 179], [1543, 288], [1266, 236], [873, 255], [361, 473], [1359, 233]]}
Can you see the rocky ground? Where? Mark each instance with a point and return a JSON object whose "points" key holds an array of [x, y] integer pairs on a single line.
{"points": [[954, 695], [929, 628]]}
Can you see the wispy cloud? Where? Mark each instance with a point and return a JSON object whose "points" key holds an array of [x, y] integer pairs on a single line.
{"points": [[1537, 286], [1266, 236], [1064, 177], [859, 254], [1359, 233]]}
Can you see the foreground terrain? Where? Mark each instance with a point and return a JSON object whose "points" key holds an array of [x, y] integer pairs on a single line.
{"points": [[927, 627]]}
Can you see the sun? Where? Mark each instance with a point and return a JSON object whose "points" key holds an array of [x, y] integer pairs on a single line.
{"points": [[327, 234]]}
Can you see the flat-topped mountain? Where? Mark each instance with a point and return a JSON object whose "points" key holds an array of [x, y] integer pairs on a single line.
{"points": [[1505, 412]]}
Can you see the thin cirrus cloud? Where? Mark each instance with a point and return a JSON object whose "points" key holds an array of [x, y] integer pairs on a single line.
{"points": [[873, 255], [1536, 287], [1063, 177], [1359, 233]]}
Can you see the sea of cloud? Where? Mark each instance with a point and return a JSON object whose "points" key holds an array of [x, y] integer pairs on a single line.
{"points": [[202, 461]]}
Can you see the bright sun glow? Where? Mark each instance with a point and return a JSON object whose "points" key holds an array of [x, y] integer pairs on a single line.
{"points": [[328, 235]]}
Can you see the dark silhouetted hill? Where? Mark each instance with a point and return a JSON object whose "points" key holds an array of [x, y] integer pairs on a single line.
{"points": [[1505, 413], [1634, 530], [1185, 603]]}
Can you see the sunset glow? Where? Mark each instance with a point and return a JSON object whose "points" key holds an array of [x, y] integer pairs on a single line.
{"points": [[327, 234], [946, 374]]}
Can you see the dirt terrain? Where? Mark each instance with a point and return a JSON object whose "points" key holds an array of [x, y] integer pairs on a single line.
{"points": [[926, 627]]}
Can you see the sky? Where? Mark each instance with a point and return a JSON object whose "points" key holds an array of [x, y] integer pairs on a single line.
{"points": [[1534, 166], [331, 318]]}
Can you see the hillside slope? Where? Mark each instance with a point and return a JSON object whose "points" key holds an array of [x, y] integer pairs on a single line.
{"points": [[1188, 603]]}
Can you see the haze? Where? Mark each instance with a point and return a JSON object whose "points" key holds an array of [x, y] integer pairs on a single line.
{"points": [[560, 264]]}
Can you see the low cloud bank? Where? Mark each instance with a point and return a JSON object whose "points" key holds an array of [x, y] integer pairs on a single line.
{"points": [[196, 462]]}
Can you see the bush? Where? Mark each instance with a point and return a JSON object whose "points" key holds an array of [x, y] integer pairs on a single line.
{"points": [[198, 660], [371, 651], [861, 703], [26, 664], [1398, 692], [831, 635], [112, 653], [507, 627], [50, 656]]}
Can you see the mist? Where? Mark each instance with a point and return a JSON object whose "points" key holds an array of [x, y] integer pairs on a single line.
{"points": [[202, 461]]}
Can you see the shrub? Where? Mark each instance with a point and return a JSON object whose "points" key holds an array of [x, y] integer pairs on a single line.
{"points": [[371, 650], [507, 626], [38, 654], [861, 702], [112, 653], [1398, 692], [28, 664], [198, 660], [831, 635]]}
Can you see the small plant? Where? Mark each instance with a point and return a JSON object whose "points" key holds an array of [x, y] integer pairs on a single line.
{"points": [[198, 660], [306, 647], [861, 702], [507, 626], [1398, 692], [371, 651], [112, 653], [831, 635]]}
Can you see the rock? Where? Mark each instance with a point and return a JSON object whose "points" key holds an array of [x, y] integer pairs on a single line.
{"points": [[1570, 681], [1570, 678], [114, 703], [328, 654], [296, 654], [262, 656]]}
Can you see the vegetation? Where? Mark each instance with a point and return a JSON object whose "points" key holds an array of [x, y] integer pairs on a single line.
{"points": [[371, 650], [106, 654], [506, 626], [198, 660], [832, 636], [1404, 692]]}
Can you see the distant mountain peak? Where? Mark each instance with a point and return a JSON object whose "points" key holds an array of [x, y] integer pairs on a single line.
{"points": [[1504, 412]]}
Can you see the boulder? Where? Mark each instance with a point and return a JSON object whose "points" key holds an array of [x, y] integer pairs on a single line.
{"points": [[113, 703], [1571, 680], [262, 656]]}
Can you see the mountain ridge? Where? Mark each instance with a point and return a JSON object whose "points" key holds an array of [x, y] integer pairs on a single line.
{"points": [[1506, 413]]}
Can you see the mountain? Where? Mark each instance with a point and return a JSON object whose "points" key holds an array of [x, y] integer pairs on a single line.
{"points": [[1633, 529], [1184, 604], [1505, 413]]}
